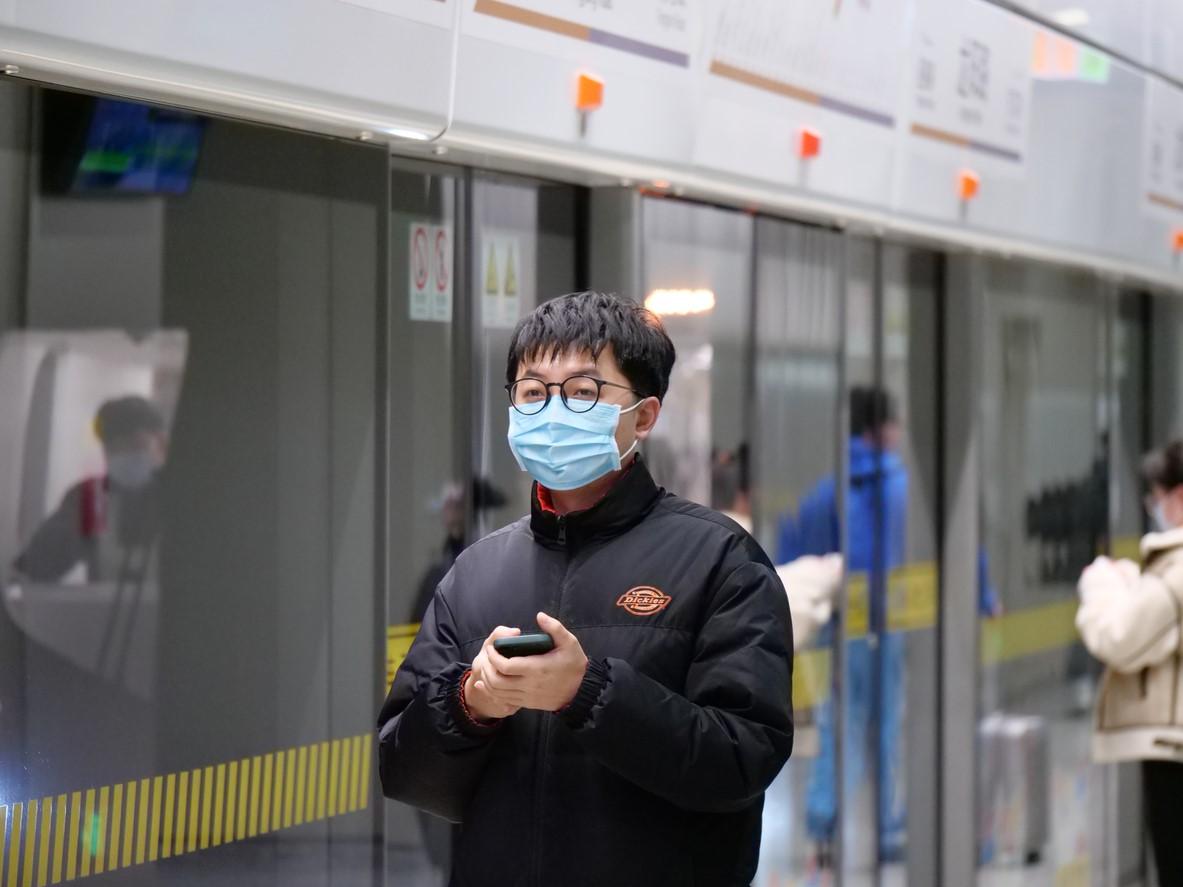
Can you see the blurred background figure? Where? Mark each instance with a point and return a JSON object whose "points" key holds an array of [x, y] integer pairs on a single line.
{"points": [[1129, 618], [107, 524], [877, 512]]}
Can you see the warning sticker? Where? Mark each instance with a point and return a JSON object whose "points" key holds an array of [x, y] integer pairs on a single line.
{"points": [[501, 277], [430, 272]]}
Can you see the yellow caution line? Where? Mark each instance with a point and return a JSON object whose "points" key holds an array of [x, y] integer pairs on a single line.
{"points": [[44, 841]]}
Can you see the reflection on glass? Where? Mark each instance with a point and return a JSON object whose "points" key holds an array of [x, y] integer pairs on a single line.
{"points": [[1045, 448], [90, 451], [798, 354], [876, 516], [697, 268]]}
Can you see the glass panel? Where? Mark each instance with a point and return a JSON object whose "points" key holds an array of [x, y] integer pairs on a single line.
{"points": [[865, 485], [1120, 819], [1166, 380], [798, 354], [697, 272], [428, 452], [188, 489], [904, 606], [1045, 517], [524, 254]]}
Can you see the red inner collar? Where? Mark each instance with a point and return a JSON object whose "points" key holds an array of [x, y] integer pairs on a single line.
{"points": [[546, 499]]}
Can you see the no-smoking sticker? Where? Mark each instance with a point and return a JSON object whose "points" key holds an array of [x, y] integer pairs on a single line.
{"points": [[429, 274]]}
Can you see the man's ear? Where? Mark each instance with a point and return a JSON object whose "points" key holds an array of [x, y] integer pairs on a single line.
{"points": [[647, 414]]}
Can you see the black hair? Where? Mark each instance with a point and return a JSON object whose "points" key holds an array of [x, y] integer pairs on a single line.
{"points": [[590, 322], [870, 409], [125, 416], [1164, 468]]}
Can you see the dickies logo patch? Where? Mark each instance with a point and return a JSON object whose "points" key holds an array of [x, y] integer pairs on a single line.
{"points": [[644, 600]]}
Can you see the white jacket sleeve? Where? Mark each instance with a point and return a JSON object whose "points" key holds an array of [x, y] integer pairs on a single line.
{"points": [[1128, 620], [812, 584]]}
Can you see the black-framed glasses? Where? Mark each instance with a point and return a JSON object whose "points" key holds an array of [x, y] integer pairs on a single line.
{"points": [[579, 393]]}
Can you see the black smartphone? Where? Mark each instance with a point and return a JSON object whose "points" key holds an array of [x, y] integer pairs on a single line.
{"points": [[524, 645]]}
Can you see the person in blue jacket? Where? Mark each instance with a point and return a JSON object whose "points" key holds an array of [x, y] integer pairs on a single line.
{"points": [[877, 516], [876, 537]]}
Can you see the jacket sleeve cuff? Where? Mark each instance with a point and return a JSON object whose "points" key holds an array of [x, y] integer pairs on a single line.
{"points": [[595, 680], [465, 720]]}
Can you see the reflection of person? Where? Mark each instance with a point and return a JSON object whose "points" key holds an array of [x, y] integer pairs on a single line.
{"points": [[876, 513], [437, 833], [1130, 619], [638, 750], [451, 509], [102, 520], [811, 582]]}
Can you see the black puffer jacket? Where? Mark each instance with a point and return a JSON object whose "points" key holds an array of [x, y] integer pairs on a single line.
{"points": [[656, 773]]}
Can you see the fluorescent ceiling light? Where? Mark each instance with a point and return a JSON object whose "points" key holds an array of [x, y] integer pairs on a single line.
{"points": [[680, 302], [1073, 17]]}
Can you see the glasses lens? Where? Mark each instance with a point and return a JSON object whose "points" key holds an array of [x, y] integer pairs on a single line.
{"points": [[580, 393], [528, 396]]}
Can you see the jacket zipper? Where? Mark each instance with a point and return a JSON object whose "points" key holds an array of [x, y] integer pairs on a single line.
{"points": [[545, 725]]}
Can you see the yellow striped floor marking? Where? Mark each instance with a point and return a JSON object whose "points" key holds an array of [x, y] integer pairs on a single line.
{"points": [[59, 838], [301, 781], [129, 822], [120, 825], [14, 845], [343, 781], [99, 834], [88, 827], [116, 828], [154, 835], [265, 796], [169, 798], [182, 813], [43, 842], [310, 810], [244, 785], [194, 807], [231, 800], [321, 781], [366, 755], [75, 829], [207, 799], [219, 803], [355, 770], [142, 823], [277, 798], [334, 766], [252, 826], [30, 844]]}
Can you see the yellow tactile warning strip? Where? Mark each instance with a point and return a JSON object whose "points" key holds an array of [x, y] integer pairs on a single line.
{"points": [[98, 830]]}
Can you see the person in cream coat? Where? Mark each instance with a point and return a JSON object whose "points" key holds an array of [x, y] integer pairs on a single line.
{"points": [[1131, 618]]}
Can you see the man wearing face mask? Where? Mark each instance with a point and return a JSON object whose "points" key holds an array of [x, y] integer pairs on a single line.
{"points": [[1131, 618], [638, 750], [103, 522]]}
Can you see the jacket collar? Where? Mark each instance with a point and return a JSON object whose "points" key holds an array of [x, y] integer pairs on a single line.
{"points": [[1156, 543], [628, 501]]}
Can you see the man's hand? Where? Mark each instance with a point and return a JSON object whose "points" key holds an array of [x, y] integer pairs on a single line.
{"points": [[545, 683], [481, 703]]}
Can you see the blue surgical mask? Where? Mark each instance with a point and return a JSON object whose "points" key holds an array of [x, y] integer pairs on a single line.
{"points": [[1159, 517], [565, 450]]}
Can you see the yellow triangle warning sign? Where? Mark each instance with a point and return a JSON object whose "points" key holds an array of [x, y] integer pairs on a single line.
{"points": [[511, 274], [492, 284]]}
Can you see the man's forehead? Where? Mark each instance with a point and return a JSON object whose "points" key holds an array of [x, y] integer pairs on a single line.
{"points": [[572, 360]]}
